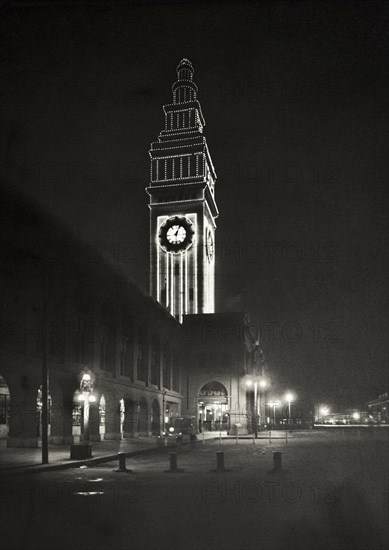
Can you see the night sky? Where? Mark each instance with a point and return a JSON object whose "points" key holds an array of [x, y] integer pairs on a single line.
{"points": [[294, 100]]}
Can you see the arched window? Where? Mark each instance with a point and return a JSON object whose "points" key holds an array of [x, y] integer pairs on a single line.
{"points": [[141, 371], [126, 343], [166, 366], [155, 361], [175, 376]]}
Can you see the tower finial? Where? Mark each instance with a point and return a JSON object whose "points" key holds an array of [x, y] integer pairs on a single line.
{"points": [[184, 89], [185, 69]]}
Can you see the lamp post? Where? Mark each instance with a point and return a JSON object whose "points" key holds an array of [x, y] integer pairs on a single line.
{"points": [[289, 398], [254, 383], [356, 416], [263, 386], [258, 361], [163, 412], [84, 450], [274, 404], [86, 387], [324, 411]]}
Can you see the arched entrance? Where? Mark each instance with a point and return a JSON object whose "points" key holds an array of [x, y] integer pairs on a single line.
{"points": [[5, 410], [213, 408], [143, 418], [155, 418], [130, 421]]}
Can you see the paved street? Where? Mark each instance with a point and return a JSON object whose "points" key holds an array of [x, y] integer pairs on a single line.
{"points": [[332, 497]]}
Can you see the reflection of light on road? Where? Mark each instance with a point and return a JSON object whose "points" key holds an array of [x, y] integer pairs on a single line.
{"points": [[89, 493], [97, 479]]}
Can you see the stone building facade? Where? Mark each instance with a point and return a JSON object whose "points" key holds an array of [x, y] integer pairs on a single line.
{"points": [[59, 294]]}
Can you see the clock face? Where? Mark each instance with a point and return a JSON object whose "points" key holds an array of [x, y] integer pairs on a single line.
{"points": [[209, 245], [176, 234]]}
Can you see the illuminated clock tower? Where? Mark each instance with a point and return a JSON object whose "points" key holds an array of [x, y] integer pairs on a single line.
{"points": [[182, 206]]}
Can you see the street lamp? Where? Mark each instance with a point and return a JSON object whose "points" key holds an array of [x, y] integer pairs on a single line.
{"points": [[274, 404], [165, 419], [263, 385], [258, 386], [324, 411], [254, 383], [84, 450], [86, 387], [289, 398]]}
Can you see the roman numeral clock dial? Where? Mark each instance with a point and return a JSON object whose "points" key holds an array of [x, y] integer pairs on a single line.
{"points": [[176, 235]]}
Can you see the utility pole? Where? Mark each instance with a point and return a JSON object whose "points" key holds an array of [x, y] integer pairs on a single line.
{"points": [[45, 372]]}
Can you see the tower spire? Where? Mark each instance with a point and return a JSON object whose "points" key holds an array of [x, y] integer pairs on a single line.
{"points": [[184, 89]]}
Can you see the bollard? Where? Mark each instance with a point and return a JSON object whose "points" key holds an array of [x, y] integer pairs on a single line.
{"points": [[173, 465], [220, 438], [237, 436], [220, 469], [254, 439], [122, 464], [277, 464], [270, 436], [203, 439], [286, 436]]}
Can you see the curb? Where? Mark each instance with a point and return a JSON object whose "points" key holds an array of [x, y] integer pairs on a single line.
{"points": [[35, 468]]}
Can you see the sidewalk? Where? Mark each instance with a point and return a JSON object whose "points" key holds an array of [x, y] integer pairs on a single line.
{"points": [[23, 460], [30, 459]]}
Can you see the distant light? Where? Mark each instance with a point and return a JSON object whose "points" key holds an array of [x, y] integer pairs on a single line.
{"points": [[81, 397], [171, 429], [356, 416], [324, 410], [263, 383], [249, 382], [92, 398], [289, 397]]}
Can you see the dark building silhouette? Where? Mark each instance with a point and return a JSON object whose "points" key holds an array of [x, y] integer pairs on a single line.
{"points": [[151, 359]]}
